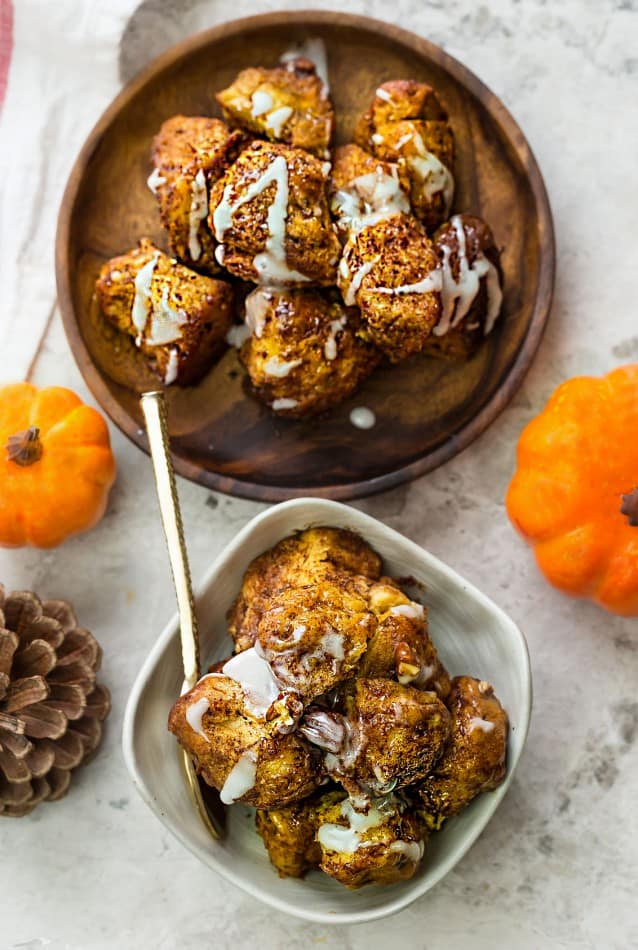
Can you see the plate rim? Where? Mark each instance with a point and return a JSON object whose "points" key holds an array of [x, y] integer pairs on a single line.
{"points": [[457, 441]]}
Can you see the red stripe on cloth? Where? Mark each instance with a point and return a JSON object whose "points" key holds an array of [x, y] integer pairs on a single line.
{"points": [[6, 44]]}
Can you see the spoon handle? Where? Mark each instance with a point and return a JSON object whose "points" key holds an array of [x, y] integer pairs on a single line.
{"points": [[154, 409]]}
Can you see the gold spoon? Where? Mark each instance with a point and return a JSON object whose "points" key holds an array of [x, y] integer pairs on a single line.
{"points": [[154, 409]]}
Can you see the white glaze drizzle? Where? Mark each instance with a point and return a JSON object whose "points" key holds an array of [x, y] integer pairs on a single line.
{"points": [[166, 323], [280, 404], [331, 647], [279, 368], [298, 632], [383, 94], [154, 180], [435, 177], [459, 293], [330, 347], [241, 778], [261, 102], [142, 301], [347, 839], [413, 610], [257, 305], [257, 680], [411, 850], [370, 198], [172, 368], [313, 49], [237, 335], [483, 724], [197, 213], [433, 283], [355, 281], [271, 263], [276, 120], [194, 715], [362, 418]]}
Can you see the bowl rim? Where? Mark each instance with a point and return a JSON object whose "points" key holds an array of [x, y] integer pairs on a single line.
{"points": [[170, 631], [456, 441]]}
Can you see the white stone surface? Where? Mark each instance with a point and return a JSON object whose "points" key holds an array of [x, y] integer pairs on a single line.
{"points": [[558, 866]]}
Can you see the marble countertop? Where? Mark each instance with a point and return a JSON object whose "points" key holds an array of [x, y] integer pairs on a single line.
{"points": [[558, 865]]}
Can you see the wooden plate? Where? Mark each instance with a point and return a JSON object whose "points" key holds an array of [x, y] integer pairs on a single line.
{"points": [[427, 410]]}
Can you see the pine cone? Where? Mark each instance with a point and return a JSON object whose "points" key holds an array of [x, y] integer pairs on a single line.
{"points": [[50, 706]]}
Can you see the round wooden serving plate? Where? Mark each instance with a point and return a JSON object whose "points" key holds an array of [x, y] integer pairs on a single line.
{"points": [[426, 410]]}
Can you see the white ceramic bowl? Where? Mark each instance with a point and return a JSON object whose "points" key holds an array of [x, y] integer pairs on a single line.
{"points": [[472, 636]]}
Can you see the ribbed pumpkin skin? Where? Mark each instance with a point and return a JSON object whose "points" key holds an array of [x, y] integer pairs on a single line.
{"points": [[66, 490], [575, 462]]}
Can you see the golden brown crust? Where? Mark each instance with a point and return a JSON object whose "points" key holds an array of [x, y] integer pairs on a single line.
{"points": [[405, 121], [401, 647], [388, 851], [310, 244], [203, 307], [256, 97], [362, 187], [289, 833], [392, 253], [474, 760], [401, 731], [307, 356], [184, 147], [298, 561], [462, 341], [286, 768], [313, 637]]}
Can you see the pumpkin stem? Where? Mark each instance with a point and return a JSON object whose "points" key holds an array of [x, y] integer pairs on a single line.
{"points": [[25, 448], [629, 507]]}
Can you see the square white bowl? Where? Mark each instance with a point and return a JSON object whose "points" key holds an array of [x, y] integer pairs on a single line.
{"points": [[472, 636]]}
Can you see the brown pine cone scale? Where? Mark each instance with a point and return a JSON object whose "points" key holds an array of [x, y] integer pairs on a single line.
{"points": [[51, 708]]}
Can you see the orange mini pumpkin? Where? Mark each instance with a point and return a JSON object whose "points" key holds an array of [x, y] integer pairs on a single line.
{"points": [[574, 497], [56, 465]]}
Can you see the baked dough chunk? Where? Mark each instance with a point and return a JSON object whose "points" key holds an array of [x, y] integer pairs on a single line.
{"points": [[304, 355], [390, 270], [189, 153], [406, 123], [237, 725], [270, 214], [471, 292], [474, 760], [178, 318], [298, 561], [288, 104]]}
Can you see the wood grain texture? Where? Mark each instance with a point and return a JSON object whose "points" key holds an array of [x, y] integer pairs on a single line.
{"points": [[427, 410]]}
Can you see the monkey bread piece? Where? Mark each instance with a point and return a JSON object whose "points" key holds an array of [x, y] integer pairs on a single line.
{"points": [[474, 760], [390, 270], [386, 736], [471, 293], [289, 833], [402, 732], [407, 124], [189, 153], [298, 561], [304, 355], [380, 846], [313, 637], [270, 214], [401, 647], [363, 189], [177, 318], [288, 104], [239, 734]]}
